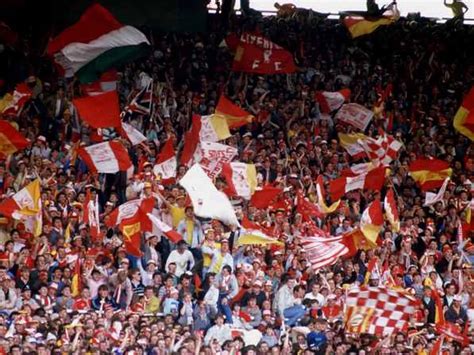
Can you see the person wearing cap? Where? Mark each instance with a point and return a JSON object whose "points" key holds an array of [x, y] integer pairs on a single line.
{"points": [[254, 292], [182, 258]]}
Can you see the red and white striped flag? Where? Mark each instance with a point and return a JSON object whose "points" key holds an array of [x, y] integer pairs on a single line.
{"points": [[373, 180], [107, 157], [391, 210], [322, 251], [371, 222], [166, 230], [378, 310], [331, 101], [166, 163]]}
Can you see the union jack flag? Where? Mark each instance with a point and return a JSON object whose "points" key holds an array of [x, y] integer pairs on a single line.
{"points": [[141, 103]]}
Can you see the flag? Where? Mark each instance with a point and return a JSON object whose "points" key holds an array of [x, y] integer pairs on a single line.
{"points": [[91, 214], [95, 44], [141, 102], [241, 179], [263, 197], [249, 225], [355, 115], [464, 119], [205, 197], [391, 210], [322, 251], [323, 208], [256, 237], [358, 169], [351, 143], [429, 173], [11, 140], [373, 180], [383, 149], [99, 111], [439, 312], [259, 55], [213, 128], [25, 203], [191, 142], [13, 104], [212, 156], [431, 198], [108, 157], [165, 229], [452, 331], [355, 240], [235, 116], [438, 345], [371, 222], [132, 134], [166, 164], [359, 25], [129, 210], [371, 267], [306, 208], [131, 230], [76, 279], [107, 82], [378, 310], [331, 101]]}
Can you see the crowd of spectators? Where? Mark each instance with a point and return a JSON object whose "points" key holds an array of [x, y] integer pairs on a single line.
{"points": [[253, 300]]}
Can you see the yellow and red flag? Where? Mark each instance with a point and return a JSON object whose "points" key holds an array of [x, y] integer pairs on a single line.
{"points": [[235, 116], [10, 139], [362, 25], [464, 119], [355, 240], [76, 279], [429, 173], [371, 222]]}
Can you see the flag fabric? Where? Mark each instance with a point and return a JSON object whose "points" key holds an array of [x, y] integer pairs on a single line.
{"points": [[212, 156], [241, 179], [165, 229], [464, 119], [360, 25], [141, 102], [13, 104], [257, 54], [391, 210], [131, 230], [249, 225], [132, 134], [235, 116], [383, 149], [429, 173], [213, 128], [323, 208], [166, 164], [371, 268], [107, 157], [129, 210], [107, 82], [331, 101], [99, 111], [323, 251], [378, 310], [76, 279], [371, 222], [191, 142], [205, 197], [358, 169], [262, 198], [431, 198], [306, 208], [95, 44], [11, 140], [257, 237], [373, 180], [351, 143], [452, 331], [439, 311], [91, 214], [356, 115], [25, 203], [355, 240]]}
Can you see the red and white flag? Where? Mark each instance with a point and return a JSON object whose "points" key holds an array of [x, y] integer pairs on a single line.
{"points": [[166, 163], [108, 157], [212, 156], [306, 208], [213, 128], [351, 143], [91, 214], [107, 82], [431, 198], [356, 115], [322, 251], [331, 101], [378, 310], [128, 210], [371, 222], [391, 210], [384, 149], [358, 169], [257, 54], [161, 227], [132, 134], [191, 142], [241, 179], [14, 103], [373, 180]]}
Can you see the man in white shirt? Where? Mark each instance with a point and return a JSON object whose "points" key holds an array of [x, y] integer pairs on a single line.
{"points": [[315, 295], [220, 332], [182, 257], [284, 296]]}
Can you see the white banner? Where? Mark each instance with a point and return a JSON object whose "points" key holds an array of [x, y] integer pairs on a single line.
{"points": [[213, 155], [355, 115]]}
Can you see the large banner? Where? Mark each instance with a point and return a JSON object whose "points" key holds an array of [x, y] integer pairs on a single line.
{"points": [[212, 156], [355, 115]]}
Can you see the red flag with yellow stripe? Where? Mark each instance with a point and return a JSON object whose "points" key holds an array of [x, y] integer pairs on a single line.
{"points": [[235, 116], [10, 139], [429, 173], [464, 119]]}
